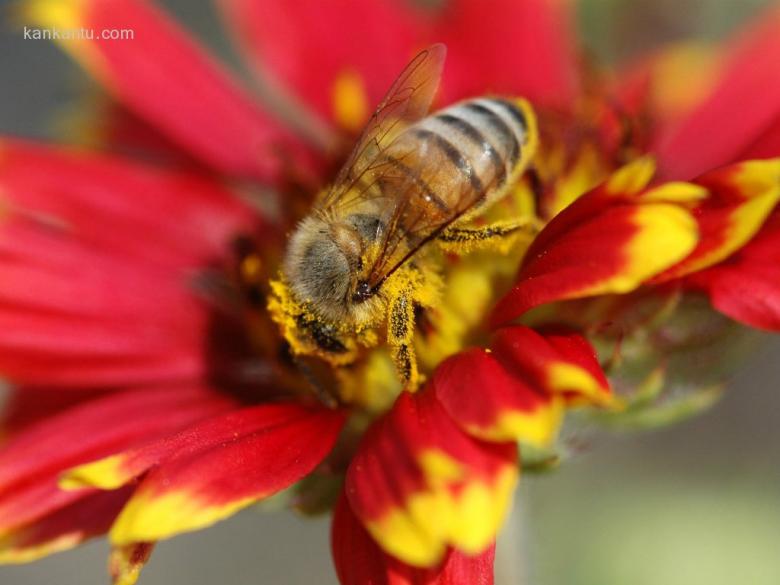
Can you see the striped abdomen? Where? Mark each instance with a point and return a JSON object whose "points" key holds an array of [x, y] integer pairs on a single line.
{"points": [[460, 157]]}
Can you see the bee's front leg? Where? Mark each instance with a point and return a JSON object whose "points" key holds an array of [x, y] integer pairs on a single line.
{"points": [[400, 335]]}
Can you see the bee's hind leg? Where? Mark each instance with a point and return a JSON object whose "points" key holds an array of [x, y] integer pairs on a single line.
{"points": [[400, 335], [500, 235]]}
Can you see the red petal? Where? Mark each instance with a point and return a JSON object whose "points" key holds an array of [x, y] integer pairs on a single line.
{"points": [[419, 484], [125, 562], [122, 468], [746, 292], [747, 286], [117, 323], [514, 48], [31, 462], [28, 405], [102, 124], [88, 517], [610, 240], [767, 145], [665, 86], [739, 199], [511, 48], [106, 202], [367, 41], [556, 361], [85, 300], [741, 119], [490, 403], [163, 76], [224, 465], [359, 561]]}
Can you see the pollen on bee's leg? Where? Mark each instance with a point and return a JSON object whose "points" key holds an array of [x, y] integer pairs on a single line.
{"points": [[499, 236], [400, 333], [400, 317], [406, 365]]}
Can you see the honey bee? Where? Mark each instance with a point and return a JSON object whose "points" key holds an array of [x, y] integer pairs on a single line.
{"points": [[363, 260]]}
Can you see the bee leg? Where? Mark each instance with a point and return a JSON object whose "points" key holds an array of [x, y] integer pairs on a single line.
{"points": [[400, 333], [499, 235]]}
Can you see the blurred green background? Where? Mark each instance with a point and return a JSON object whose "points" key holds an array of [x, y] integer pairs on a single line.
{"points": [[695, 504]]}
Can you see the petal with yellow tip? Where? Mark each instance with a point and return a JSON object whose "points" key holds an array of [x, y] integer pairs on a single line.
{"points": [[125, 562], [605, 242], [64, 529], [491, 403], [223, 466], [739, 199], [32, 459], [420, 485], [359, 560], [121, 468], [554, 360]]}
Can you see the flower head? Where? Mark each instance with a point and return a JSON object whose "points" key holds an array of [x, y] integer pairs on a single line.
{"points": [[159, 383]]}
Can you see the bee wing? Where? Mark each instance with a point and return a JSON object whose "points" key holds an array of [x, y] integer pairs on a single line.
{"points": [[398, 244], [407, 101]]}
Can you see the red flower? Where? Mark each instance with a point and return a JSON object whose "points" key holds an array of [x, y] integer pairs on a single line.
{"points": [[153, 395]]}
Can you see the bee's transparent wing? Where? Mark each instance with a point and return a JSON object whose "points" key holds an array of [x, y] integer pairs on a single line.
{"points": [[409, 227], [407, 101]]}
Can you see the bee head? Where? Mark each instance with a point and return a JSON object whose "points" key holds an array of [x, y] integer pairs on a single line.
{"points": [[320, 265]]}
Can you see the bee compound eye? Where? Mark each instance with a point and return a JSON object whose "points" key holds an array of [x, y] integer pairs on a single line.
{"points": [[362, 293]]}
